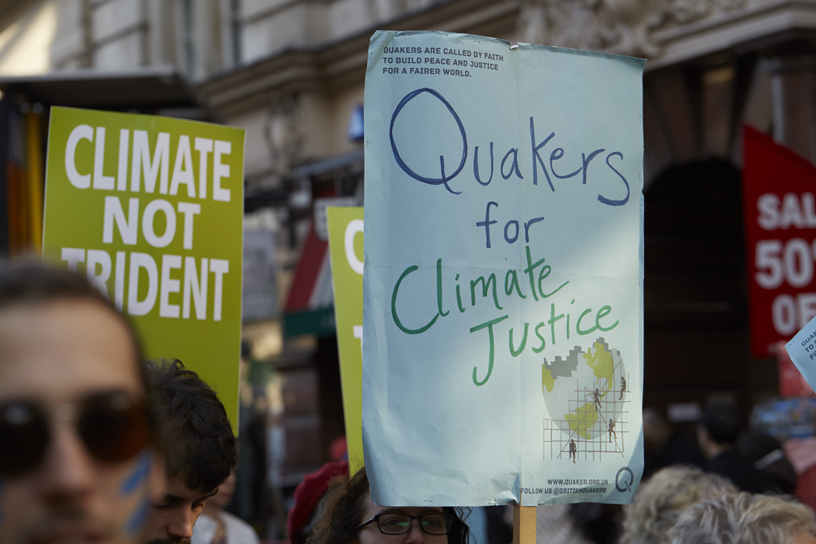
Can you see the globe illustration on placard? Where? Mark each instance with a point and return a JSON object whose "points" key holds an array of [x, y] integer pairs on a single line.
{"points": [[586, 395]]}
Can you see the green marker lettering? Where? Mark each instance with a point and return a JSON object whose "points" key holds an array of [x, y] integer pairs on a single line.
{"points": [[489, 326], [603, 312], [459, 296], [513, 352], [530, 269], [578, 324], [397, 321], [442, 312], [513, 284], [541, 338], [553, 319], [486, 284]]}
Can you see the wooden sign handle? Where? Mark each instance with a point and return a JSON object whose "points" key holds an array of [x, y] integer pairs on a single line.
{"points": [[524, 524]]}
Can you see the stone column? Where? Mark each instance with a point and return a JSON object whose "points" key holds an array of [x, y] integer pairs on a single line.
{"points": [[793, 84]]}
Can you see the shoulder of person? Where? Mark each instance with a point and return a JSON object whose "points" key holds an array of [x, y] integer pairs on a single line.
{"points": [[204, 530], [238, 530]]}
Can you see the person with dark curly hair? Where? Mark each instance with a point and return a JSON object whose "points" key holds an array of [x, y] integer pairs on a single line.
{"points": [[717, 435], [199, 448], [350, 517]]}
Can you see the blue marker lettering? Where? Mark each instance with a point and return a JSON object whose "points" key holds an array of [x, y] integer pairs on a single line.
{"points": [[444, 179], [623, 201], [537, 157], [476, 166]]}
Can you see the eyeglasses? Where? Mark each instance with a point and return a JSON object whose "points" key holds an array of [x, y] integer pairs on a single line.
{"points": [[112, 425], [398, 523]]}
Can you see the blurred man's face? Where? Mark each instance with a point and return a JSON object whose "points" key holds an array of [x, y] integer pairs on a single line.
{"points": [[172, 519], [68, 376], [225, 493]]}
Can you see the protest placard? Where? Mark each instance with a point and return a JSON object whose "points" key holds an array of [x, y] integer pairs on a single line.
{"points": [[802, 351], [780, 227], [503, 298], [151, 209], [346, 251]]}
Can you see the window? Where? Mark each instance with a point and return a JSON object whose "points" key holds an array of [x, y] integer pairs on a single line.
{"points": [[235, 31], [188, 37]]}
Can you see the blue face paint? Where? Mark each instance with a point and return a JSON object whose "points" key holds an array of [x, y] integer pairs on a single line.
{"points": [[139, 474], [134, 524]]}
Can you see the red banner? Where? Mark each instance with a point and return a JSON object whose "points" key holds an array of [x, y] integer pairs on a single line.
{"points": [[780, 229]]}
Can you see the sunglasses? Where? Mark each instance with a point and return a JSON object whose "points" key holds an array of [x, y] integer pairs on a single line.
{"points": [[113, 426]]}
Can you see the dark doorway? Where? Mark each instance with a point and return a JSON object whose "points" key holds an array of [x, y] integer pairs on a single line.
{"points": [[696, 325]]}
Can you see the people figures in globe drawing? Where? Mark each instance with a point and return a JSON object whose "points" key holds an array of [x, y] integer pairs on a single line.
{"points": [[584, 408]]}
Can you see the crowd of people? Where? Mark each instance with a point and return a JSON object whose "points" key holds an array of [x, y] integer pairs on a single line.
{"points": [[98, 445]]}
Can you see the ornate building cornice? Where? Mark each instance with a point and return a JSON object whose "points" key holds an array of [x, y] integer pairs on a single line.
{"points": [[644, 28], [339, 64], [666, 32]]}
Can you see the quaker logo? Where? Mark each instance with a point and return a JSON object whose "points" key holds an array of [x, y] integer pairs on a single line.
{"points": [[624, 480]]}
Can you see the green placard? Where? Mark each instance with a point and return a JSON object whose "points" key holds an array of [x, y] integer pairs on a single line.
{"points": [[346, 251], [151, 209]]}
